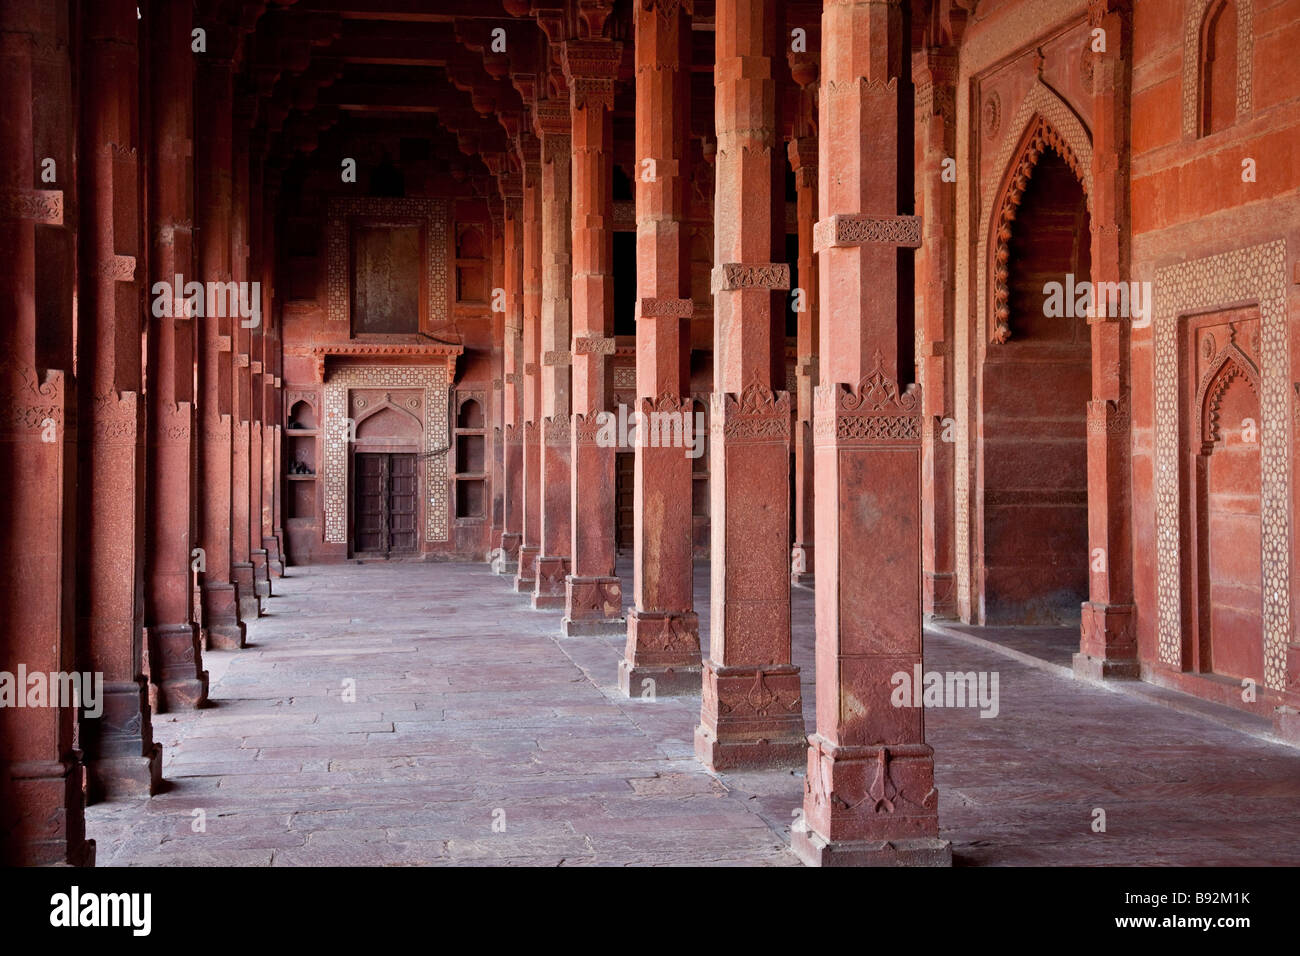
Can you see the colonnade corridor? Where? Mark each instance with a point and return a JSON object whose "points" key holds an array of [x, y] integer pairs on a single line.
{"points": [[480, 735]]}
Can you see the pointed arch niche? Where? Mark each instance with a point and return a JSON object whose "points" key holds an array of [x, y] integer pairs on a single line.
{"points": [[1204, 31]]}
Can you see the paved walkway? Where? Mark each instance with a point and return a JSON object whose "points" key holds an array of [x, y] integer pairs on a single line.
{"points": [[477, 737]]}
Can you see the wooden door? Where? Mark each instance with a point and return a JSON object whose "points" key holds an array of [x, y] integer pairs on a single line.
{"points": [[384, 503]]}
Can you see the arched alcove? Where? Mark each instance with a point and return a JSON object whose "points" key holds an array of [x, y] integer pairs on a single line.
{"points": [[1218, 67]]}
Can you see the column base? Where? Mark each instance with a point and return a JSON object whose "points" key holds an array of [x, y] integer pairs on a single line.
{"points": [[750, 717], [121, 759], [662, 646], [44, 814], [803, 579], [1107, 642], [174, 653], [801, 564], [548, 588], [261, 573], [668, 681], [593, 607], [526, 575], [1098, 669], [274, 560], [938, 596], [250, 605], [1286, 724], [221, 621], [814, 850], [505, 557]]}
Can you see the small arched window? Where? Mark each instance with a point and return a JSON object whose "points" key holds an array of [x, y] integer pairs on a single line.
{"points": [[1218, 67]]}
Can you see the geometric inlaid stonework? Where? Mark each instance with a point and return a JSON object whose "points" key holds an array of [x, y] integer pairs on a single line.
{"points": [[433, 379], [338, 268], [1255, 274], [1192, 27]]}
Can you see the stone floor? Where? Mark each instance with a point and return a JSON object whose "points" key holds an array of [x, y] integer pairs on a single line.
{"points": [[477, 736]]}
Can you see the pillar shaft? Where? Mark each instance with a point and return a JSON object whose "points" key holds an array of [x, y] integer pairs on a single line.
{"points": [[751, 711], [512, 381], [869, 795], [530, 151], [1108, 635], [593, 592], [41, 812], [663, 639], [803, 160], [173, 639], [935, 74], [222, 623], [553, 559], [121, 755]]}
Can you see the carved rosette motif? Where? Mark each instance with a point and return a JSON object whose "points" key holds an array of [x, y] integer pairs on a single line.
{"points": [[338, 280], [1259, 273], [873, 412], [177, 422], [437, 391], [756, 416]]}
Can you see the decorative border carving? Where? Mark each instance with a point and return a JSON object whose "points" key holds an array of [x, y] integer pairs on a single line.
{"points": [[593, 345], [756, 416], [434, 381], [1196, 10], [338, 281], [1254, 273], [729, 276], [662, 307], [853, 230], [1040, 135], [42, 207], [871, 412]]}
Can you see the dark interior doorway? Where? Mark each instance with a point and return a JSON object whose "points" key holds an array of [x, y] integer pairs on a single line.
{"points": [[385, 505]]}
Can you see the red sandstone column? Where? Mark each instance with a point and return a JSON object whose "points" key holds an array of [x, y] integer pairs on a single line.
{"points": [[175, 650], [751, 711], [935, 74], [41, 813], [593, 592], [121, 756], [803, 160], [256, 272], [496, 211], [271, 381], [212, 190], [552, 122], [513, 364], [1108, 635], [241, 560], [869, 795], [530, 151], [663, 631]]}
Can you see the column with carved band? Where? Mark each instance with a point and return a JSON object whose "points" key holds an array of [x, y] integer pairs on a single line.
{"points": [[751, 712], [593, 592], [1108, 634], [803, 160], [552, 121], [41, 811], [121, 756], [222, 623], [530, 545], [934, 71], [512, 377], [869, 795], [663, 630], [172, 634]]}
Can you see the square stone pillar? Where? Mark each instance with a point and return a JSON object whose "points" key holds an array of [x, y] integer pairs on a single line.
{"points": [[662, 655], [530, 435], [593, 592], [512, 380], [551, 118], [172, 635], [121, 756], [1108, 630], [222, 624], [869, 796], [803, 160], [751, 712], [41, 805]]}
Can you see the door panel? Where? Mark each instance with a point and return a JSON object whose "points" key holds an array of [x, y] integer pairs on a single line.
{"points": [[386, 506]]}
